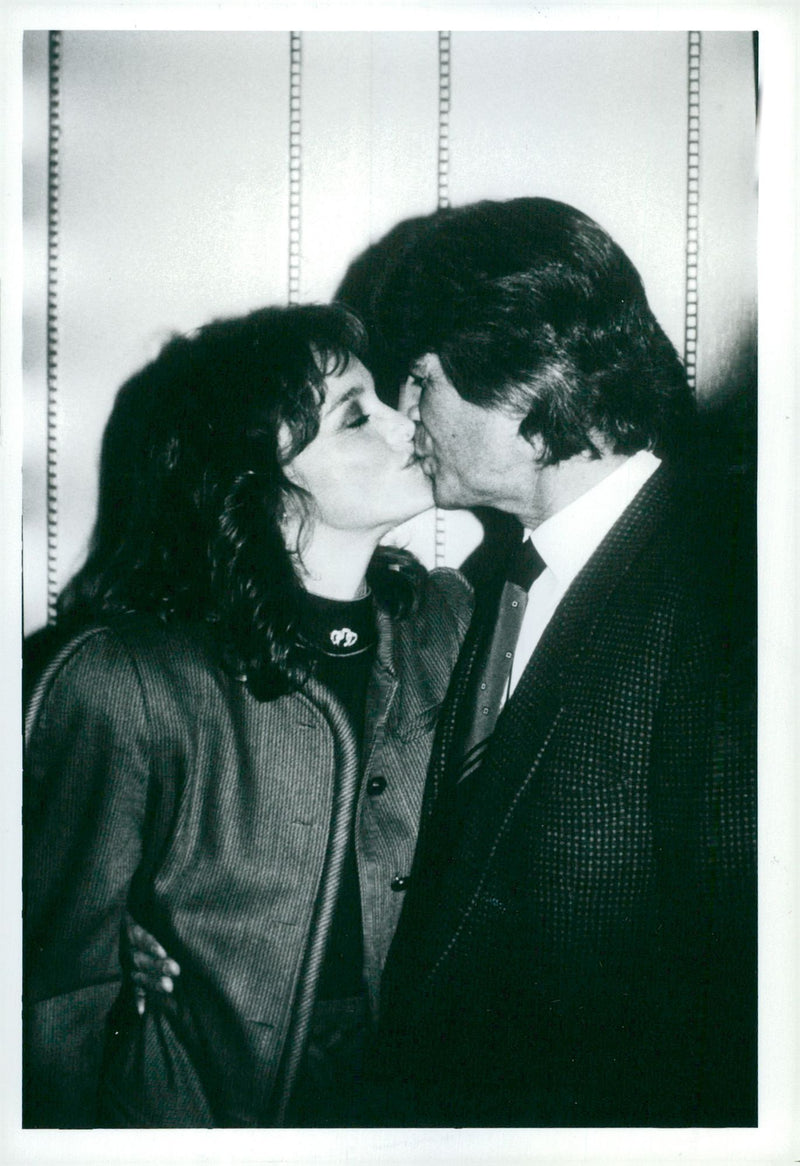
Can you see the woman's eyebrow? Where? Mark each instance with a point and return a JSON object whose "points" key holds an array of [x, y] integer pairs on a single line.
{"points": [[342, 399]]}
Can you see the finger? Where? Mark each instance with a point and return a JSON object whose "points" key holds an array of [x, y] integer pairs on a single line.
{"points": [[148, 982], [142, 940], [155, 967], [146, 961]]}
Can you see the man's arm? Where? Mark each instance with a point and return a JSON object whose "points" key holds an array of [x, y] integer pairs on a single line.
{"points": [[705, 825]]}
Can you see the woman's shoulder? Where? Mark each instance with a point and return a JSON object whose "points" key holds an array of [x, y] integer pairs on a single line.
{"points": [[75, 677], [111, 658], [91, 650]]}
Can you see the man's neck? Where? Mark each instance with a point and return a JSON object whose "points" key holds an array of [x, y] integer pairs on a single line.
{"points": [[557, 486]]}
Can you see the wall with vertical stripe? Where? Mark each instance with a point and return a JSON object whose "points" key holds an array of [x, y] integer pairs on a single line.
{"points": [[170, 177]]}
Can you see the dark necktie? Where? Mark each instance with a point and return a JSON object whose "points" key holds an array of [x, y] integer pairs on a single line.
{"points": [[493, 663]]}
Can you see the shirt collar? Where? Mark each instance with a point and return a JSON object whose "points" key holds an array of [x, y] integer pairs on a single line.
{"points": [[568, 539]]}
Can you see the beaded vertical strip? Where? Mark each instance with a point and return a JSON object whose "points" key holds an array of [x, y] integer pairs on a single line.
{"points": [[53, 233], [443, 153], [443, 201], [692, 209], [295, 77]]}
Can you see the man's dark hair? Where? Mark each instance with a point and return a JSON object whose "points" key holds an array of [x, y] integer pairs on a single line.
{"points": [[530, 304], [192, 489]]}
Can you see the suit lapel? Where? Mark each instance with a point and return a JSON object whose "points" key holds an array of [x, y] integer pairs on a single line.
{"points": [[530, 717], [456, 707], [572, 628]]}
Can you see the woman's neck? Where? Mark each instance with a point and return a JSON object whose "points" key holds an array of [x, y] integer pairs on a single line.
{"points": [[334, 562]]}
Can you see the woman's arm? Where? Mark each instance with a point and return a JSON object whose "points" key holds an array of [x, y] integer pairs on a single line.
{"points": [[87, 768]]}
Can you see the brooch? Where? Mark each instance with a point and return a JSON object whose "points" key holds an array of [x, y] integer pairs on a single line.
{"points": [[344, 638]]}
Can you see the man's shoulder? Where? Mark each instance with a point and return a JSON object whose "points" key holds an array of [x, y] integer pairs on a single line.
{"points": [[687, 543]]}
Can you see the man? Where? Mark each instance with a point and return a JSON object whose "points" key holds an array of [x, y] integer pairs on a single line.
{"points": [[577, 945], [578, 942]]}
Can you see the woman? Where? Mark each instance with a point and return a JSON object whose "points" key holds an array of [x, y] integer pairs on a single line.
{"points": [[232, 742]]}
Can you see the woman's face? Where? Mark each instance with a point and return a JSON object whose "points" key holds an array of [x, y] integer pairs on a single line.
{"points": [[360, 469]]}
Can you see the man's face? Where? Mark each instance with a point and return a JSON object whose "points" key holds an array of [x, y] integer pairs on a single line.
{"points": [[474, 456]]}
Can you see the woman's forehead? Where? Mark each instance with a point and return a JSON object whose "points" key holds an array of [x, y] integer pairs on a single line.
{"points": [[353, 380]]}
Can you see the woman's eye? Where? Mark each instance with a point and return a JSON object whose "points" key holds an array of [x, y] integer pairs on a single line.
{"points": [[356, 421]]}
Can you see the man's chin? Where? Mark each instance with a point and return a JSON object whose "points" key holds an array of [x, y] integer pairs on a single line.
{"points": [[444, 501], [443, 496]]}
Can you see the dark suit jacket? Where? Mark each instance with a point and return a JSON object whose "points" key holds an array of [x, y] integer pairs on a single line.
{"points": [[578, 943]]}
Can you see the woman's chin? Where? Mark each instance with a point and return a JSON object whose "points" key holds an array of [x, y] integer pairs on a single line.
{"points": [[407, 525], [420, 506]]}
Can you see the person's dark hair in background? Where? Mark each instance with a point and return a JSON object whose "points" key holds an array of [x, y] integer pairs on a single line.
{"points": [[387, 287]]}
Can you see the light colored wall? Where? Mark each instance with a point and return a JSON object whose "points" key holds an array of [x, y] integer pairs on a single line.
{"points": [[174, 194]]}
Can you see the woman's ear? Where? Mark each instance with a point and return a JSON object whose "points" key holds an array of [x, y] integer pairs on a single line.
{"points": [[291, 521], [292, 474], [284, 446]]}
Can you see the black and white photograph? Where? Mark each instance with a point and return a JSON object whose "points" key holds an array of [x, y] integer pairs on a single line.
{"points": [[400, 623]]}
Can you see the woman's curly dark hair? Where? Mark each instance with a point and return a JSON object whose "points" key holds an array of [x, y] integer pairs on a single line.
{"points": [[192, 489]]}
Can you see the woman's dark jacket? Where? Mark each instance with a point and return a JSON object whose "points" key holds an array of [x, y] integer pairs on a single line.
{"points": [[155, 782]]}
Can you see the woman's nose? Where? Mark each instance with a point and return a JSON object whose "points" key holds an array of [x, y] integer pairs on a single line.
{"points": [[399, 428]]}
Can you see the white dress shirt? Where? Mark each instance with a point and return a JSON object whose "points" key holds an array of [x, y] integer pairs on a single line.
{"points": [[567, 540]]}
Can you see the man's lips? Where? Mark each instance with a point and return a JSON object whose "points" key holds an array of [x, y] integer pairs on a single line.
{"points": [[419, 458], [423, 456]]}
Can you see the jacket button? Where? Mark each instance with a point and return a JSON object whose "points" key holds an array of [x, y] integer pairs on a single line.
{"points": [[376, 785], [400, 882]]}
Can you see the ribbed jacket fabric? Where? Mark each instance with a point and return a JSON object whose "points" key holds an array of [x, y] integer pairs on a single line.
{"points": [[578, 944], [155, 782]]}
